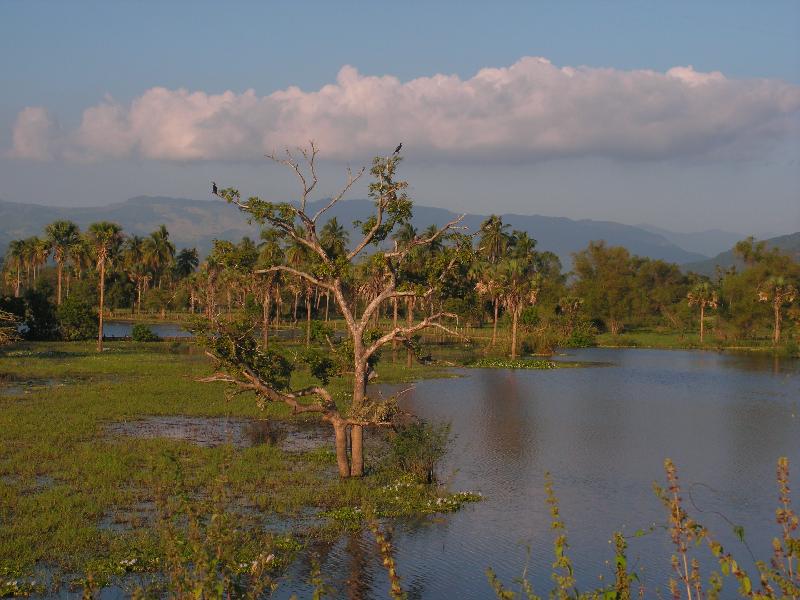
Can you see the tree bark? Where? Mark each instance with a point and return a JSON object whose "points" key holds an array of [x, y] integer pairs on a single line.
{"points": [[308, 320], [394, 318], [409, 321], [494, 326], [702, 321], [265, 320], [356, 451], [614, 326], [102, 300], [59, 267], [514, 318], [340, 430], [359, 397], [776, 306]]}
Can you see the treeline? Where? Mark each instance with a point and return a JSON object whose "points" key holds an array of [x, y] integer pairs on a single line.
{"points": [[505, 283]]}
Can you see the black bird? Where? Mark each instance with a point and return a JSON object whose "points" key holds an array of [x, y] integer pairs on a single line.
{"points": [[214, 187], [399, 147]]}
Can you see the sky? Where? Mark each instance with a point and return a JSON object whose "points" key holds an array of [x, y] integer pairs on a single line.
{"points": [[683, 115]]}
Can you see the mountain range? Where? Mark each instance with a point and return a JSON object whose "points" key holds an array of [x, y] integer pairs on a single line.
{"points": [[196, 223], [788, 243]]}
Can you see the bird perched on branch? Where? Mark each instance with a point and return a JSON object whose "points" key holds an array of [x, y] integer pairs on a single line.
{"points": [[399, 147], [214, 187]]}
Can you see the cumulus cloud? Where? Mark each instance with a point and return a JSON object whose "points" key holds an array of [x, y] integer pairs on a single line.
{"points": [[529, 111], [34, 134]]}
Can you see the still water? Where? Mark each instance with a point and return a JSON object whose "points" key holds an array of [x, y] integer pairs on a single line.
{"points": [[603, 432], [117, 329]]}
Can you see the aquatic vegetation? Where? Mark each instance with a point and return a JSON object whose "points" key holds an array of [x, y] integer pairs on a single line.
{"points": [[505, 363], [404, 497]]}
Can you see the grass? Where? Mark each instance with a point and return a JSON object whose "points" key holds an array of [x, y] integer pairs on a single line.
{"points": [[673, 340], [75, 500]]}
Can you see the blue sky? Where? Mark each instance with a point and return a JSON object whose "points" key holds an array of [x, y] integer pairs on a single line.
{"points": [[67, 57]]}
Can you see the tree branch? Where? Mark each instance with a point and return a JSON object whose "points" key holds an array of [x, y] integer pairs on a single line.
{"points": [[302, 274], [371, 234], [351, 180], [417, 242], [406, 332]]}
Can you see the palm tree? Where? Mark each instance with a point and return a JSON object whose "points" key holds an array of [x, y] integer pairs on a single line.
{"points": [[29, 258], [104, 238], [494, 239], [523, 246], [334, 238], [297, 257], [80, 257], [405, 234], [703, 296], [62, 236], [270, 253], [519, 288], [133, 260], [39, 252], [436, 246], [780, 292], [186, 262], [160, 253], [270, 249], [16, 252], [488, 285]]}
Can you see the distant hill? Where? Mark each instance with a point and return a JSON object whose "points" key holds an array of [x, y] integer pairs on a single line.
{"points": [[707, 243], [190, 222], [197, 222], [788, 243]]}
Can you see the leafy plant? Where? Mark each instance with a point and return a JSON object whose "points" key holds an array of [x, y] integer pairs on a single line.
{"points": [[142, 333], [418, 448], [77, 315]]}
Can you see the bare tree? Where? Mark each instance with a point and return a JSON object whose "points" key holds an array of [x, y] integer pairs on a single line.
{"points": [[327, 271]]}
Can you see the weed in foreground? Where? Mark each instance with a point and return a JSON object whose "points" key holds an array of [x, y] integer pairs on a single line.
{"points": [[778, 578]]}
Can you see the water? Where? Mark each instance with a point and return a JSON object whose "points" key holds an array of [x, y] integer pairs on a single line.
{"points": [[121, 329], [293, 436], [603, 432], [115, 329]]}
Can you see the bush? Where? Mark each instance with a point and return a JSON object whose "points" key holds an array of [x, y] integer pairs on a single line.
{"points": [[582, 336], [77, 315], [418, 448], [142, 333], [529, 318], [39, 320]]}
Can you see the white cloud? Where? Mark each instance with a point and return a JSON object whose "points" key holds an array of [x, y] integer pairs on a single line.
{"points": [[531, 110], [34, 134]]}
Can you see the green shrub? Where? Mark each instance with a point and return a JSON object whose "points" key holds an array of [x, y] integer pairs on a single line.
{"points": [[582, 336], [77, 315], [142, 333], [418, 448]]}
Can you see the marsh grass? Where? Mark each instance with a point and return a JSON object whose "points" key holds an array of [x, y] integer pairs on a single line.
{"points": [[70, 494]]}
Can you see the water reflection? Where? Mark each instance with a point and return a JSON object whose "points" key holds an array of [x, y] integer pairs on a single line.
{"points": [[603, 433]]}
